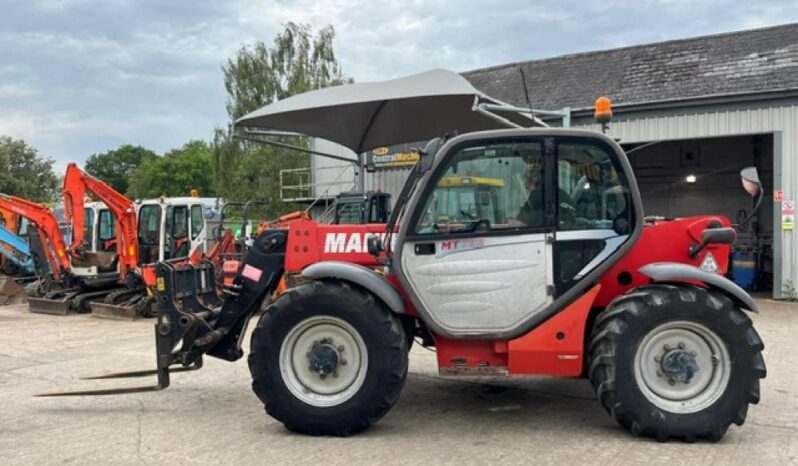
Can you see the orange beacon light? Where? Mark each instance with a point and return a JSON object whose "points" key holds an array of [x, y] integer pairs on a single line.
{"points": [[603, 112]]}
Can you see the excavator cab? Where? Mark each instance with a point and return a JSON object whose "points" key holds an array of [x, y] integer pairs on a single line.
{"points": [[99, 262], [358, 208], [172, 228]]}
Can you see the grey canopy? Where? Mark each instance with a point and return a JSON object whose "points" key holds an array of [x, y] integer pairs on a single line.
{"points": [[369, 115]]}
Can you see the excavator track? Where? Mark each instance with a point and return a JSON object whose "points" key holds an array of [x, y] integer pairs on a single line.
{"points": [[82, 302], [54, 303], [121, 304]]}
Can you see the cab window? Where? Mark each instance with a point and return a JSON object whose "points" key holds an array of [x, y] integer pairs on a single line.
{"points": [[349, 213], [107, 227], [196, 221], [487, 187], [88, 228], [149, 224], [23, 227], [176, 232], [592, 194], [177, 221], [149, 233]]}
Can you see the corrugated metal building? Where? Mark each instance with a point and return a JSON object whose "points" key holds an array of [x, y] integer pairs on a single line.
{"points": [[715, 104]]}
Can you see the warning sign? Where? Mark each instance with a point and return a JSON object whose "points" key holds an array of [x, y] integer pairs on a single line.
{"points": [[788, 215], [710, 264], [778, 195]]}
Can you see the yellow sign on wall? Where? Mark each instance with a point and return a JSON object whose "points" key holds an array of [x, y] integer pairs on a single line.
{"points": [[399, 156]]}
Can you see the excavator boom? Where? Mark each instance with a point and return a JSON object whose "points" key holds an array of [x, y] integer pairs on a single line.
{"points": [[48, 229], [76, 184]]}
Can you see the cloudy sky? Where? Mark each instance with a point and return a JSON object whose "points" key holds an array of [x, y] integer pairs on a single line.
{"points": [[79, 76]]}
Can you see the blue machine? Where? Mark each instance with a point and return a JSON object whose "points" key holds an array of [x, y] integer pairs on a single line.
{"points": [[744, 269], [16, 250]]}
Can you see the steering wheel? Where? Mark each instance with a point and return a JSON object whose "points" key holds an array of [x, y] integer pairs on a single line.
{"points": [[566, 210], [469, 215], [579, 190]]}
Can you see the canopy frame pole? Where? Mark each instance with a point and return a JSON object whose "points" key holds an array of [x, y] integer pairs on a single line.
{"points": [[283, 145], [481, 110], [488, 109]]}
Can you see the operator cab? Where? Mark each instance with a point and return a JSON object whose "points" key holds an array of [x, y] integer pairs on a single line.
{"points": [[173, 228], [99, 239], [509, 213], [358, 208]]}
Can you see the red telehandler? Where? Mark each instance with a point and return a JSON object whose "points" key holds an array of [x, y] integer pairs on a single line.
{"points": [[554, 271]]}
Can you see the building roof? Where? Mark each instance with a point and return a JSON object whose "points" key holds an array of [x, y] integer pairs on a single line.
{"points": [[743, 62]]}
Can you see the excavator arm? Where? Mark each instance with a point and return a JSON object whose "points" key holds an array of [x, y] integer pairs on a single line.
{"points": [[47, 229], [76, 184]]}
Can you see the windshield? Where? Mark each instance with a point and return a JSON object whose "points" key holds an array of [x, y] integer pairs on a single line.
{"points": [[149, 224], [490, 185]]}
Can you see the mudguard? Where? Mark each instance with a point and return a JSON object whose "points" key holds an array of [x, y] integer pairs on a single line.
{"points": [[673, 271], [359, 275]]}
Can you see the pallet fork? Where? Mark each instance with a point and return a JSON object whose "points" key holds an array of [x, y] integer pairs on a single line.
{"points": [[190, 311]]}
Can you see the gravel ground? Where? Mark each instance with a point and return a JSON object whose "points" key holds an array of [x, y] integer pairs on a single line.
{"points": [[212, 416]]}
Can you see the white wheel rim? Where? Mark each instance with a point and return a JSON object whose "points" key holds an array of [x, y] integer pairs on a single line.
{"points": [[682, 367], [304, 342]]}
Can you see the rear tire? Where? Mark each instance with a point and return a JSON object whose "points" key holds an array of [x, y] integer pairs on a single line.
{"points": [[345, 328], [716, 351]]}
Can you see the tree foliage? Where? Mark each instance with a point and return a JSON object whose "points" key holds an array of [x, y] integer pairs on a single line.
{"points": [[25, 173], [257, 75], [176, 173], [296, 62], [117, 166]]}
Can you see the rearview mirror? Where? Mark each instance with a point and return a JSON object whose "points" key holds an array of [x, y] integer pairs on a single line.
{"points": [[718, 236], [750, 178], [753, 187]]}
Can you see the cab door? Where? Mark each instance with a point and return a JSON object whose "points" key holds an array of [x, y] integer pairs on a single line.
{"points": [[478, 260], [177, 241], [199, 235], [594, 209]]}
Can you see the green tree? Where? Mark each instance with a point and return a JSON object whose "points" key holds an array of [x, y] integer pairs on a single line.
{"points": [[257, 75], [176, 173], [116, 166], [297, 62], [25, 173]]}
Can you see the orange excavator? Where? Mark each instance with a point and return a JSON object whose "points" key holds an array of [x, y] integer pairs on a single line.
{"points": [[134, 270], [16, 263], [51, 262], [76, 184]]}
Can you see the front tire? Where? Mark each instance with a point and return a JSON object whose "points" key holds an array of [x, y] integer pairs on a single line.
{"points": [[676, 361], [327, 358]]}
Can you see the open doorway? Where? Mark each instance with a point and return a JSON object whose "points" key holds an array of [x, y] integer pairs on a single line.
{"points": [[687, 177]]}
